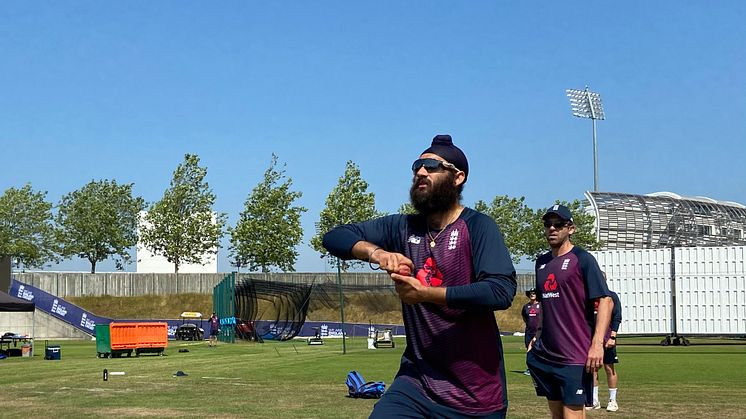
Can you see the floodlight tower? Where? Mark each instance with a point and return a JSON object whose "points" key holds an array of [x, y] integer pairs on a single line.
{"points": [[587, 104]]}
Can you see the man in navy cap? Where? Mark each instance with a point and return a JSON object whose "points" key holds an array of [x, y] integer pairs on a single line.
{"points": [[567, 349], [531, 314], [452, 271]]}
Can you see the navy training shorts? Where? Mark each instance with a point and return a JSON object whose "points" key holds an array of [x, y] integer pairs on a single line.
{"points": [[610, 356], [404, 400], [527, 338], [569, 384]]}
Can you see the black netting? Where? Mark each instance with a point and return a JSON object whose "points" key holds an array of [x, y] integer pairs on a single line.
{"points": [[283, 307]]}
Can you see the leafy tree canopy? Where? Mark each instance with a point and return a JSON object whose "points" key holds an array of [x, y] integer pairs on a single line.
{"points": [[513, 218], [348, 202], [269, 228], [99, 220], [182, 226], [27, 233], [407, 209]]}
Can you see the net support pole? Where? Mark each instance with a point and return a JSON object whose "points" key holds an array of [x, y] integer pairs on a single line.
{"points": [[341, 305]]}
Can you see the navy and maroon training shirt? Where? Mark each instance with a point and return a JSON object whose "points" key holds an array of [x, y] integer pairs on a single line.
{"points": [[454, 353], [567, 286]]}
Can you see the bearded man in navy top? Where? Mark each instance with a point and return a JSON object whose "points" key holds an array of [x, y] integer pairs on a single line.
{"points": [[452, 271], [569, 346]]}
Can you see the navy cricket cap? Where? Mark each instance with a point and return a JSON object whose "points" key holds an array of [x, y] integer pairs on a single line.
{"points": [[559, 210], [443, 146]]}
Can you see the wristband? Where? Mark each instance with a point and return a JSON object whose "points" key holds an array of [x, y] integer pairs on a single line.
{"points": [[612, 337], [375, 268]]}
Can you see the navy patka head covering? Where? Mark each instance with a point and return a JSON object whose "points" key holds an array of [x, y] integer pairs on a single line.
{"points": [[443, 146]]}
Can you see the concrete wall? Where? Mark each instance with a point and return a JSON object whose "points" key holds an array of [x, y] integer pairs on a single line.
{"points": [[124, 284], [38, 325]]}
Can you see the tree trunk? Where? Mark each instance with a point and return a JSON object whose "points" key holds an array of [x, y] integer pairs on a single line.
{"points": [[93, 266]]}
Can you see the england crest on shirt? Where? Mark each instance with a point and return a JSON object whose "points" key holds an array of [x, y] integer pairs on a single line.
{"points": [[453, 240]]}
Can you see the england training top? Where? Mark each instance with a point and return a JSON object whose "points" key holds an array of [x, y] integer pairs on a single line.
{"points": [[454, 353], [531, 314], [567, 286]]}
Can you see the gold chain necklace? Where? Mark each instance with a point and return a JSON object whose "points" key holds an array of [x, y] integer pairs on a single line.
{"points": [[432, 239]]}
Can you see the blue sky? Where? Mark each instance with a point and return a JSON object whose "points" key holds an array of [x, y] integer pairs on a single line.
{"points": [[122, 90]]}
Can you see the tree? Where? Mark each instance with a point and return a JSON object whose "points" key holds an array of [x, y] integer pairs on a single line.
{"points": [[514, 219], [407, 209], [348, 202], [585, 232], [268, 229], [182, 226], [27, 234], [585, 235], [99, 220]]}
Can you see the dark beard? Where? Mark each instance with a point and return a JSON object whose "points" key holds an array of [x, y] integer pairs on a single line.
{"points": [[440, 198]]}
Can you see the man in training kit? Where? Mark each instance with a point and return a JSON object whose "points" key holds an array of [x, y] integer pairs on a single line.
{"points": [[567, 348], [610, 357], [214, 330], [531, 314], [452, 271]]}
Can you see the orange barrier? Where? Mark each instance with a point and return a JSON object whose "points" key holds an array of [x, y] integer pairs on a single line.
{"points": [[138, 336], [123, 335], [152, 335]]}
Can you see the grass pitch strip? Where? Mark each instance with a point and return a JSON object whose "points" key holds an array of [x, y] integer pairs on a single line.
{"points": [[294, 380]]}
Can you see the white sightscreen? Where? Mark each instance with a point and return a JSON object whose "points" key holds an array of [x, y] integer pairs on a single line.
{"points": [[642, 279], [710, 289]]}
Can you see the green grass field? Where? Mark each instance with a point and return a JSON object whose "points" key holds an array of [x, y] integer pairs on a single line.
{"points": [[294, 380]]}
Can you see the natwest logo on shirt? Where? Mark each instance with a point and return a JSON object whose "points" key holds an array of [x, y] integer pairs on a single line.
{"points": [[430, 275], [550, 285]]}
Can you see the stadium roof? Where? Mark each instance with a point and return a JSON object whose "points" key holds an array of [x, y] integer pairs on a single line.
{"points": [[665, 219], [696, 198]]}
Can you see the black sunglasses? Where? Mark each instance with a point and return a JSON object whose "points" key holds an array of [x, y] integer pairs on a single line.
{"points": [[432, 165], [557, 224]]}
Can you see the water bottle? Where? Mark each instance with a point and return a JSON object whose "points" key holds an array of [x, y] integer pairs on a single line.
{"points": [[106, 374]]}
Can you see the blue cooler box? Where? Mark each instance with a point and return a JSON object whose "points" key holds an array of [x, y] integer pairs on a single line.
{"points": [[52, 352]]}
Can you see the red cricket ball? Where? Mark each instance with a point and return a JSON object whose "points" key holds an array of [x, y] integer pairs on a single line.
{"points": [[404, 270]]}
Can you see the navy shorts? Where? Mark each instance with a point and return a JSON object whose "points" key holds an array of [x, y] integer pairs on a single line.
{"points": [[569, 384], [214, 332], [527, 338], [404, 400], [610, 356]]}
